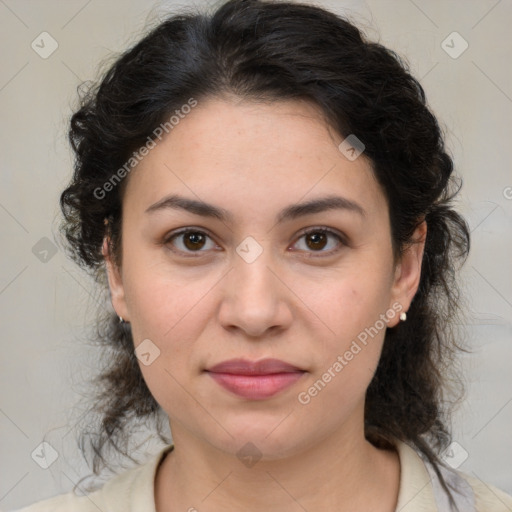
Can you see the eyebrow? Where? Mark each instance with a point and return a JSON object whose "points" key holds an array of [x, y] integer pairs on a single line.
{"points": [[290, 212]]}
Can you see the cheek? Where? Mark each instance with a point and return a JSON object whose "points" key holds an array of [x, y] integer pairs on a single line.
{"points": [[347, 359], [350, 304], [169, 314], [170, 309], [353, 310], [161, 302]]}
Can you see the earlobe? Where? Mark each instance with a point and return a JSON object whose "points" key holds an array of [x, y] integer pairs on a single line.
{"points": [[115, 282]]}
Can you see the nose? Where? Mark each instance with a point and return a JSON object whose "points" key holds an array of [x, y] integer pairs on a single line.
{"points": [[255, 298]]}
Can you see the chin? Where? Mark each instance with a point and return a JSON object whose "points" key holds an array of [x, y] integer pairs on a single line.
{"points": [[263, 443]]}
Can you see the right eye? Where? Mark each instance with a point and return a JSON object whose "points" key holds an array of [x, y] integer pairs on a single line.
{"points": [[190, 241]]}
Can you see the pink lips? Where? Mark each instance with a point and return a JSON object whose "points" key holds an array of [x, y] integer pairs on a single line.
{"points": [[255, 380]]}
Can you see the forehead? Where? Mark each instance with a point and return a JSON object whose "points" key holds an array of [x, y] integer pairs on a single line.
{"points": [[252, 158]]}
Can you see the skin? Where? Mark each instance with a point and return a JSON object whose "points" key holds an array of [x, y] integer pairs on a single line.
{"points": [[304, 306]]}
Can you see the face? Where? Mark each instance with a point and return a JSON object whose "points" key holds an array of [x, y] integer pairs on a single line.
{"points": [[254, 285]]}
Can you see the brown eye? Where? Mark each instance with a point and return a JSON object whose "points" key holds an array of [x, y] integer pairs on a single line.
{"points": [[189, 241], [316, 240], [193, 240]]}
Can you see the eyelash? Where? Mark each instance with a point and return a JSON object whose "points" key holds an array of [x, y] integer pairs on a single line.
{"points": [[190, 254]]}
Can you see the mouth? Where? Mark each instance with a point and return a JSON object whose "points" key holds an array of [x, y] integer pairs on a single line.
{"points": [[257, 380]]}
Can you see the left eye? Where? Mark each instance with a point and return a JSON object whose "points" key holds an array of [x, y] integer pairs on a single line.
{"points": [[195, 240], [317, 239]]}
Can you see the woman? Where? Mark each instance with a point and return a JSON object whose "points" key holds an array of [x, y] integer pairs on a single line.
{"points": [[269, 198]]}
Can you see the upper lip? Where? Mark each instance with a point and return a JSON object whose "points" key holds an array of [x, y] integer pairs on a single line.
{"points": [[246, 367]]}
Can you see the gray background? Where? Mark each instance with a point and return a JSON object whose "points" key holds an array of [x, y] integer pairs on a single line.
{"points": [[45, 301]]}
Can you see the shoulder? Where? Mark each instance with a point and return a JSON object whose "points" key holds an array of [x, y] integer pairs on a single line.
{"points": [[488, 498], [131, 490], [421, 490], [64, 502]]}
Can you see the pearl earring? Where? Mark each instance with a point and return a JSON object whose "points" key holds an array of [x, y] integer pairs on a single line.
{"points": [[403, 316]]}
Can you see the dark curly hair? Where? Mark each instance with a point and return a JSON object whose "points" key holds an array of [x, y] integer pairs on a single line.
{"points": [[270, 51]]}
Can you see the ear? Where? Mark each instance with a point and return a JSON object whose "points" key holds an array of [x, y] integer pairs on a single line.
{"points": [[408, 272], [115, 283]]}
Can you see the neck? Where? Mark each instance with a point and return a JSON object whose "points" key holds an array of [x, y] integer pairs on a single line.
{"points": [[343, 473]]}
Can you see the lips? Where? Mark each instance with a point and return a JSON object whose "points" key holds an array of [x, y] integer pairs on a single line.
{"points": [[246, 367], [255, 380]]}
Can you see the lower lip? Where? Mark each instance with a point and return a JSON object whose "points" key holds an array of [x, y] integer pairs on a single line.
{"points": [[256, 387]]}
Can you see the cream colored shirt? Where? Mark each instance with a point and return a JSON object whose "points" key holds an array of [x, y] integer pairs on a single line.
{"points": [[133, 491]]}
